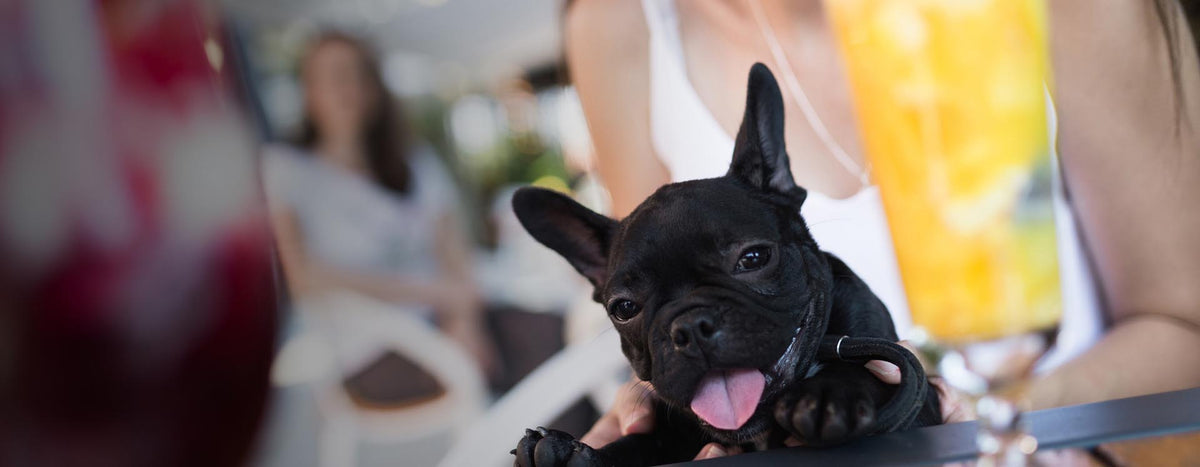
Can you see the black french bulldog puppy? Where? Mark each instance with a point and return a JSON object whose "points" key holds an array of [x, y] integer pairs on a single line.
{"points": [[721, 296]]}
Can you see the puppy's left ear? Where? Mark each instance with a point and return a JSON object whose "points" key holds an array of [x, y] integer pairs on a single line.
{"points": [[759, 156], [577, 233]]}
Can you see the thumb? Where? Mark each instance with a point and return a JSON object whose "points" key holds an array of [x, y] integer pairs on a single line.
{"points": [[885, 371], [889, 372], [637, 420], [634, 408]]}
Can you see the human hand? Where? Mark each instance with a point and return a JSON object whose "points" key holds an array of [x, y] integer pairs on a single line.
{"points": [[955, 406], [633, 412]]}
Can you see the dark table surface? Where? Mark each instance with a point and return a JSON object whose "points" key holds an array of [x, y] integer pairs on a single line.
{"points": [[1065, 427]]}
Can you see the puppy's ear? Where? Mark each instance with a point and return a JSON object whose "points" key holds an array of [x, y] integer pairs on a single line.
{"points": [[759, 156], [575, 232]]}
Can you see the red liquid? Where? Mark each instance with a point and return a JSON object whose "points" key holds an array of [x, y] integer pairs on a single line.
{"points": [[137, 304], [83, 391]]}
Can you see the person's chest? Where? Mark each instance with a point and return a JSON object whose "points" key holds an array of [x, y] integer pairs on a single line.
{"points": [[354, 222], [718, 50]]}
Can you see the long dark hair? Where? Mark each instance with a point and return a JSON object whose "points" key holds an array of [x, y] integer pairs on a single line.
{"points": [[1167, 11], [384, 136]]}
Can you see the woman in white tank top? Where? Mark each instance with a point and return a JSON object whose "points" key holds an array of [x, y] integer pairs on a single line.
{"points": [[661, 83], [692, 145]]}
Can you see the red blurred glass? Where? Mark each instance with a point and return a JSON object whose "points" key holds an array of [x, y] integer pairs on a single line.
{"points": [[137, 308]]}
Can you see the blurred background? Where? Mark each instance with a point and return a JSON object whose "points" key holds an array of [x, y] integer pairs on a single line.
{"points": [[480, 86], [218, 257], [281, 229]]}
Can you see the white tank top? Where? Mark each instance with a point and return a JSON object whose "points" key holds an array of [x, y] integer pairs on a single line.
{"points": [[693, 145]]}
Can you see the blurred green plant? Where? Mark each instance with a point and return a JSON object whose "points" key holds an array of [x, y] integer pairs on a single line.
{"points": [[517, 157]]}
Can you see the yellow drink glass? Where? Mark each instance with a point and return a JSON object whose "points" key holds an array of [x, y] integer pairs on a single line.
{"points": [[950, 97]]}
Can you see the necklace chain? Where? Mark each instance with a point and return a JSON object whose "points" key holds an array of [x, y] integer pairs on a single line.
{"points": [[810, 114]]}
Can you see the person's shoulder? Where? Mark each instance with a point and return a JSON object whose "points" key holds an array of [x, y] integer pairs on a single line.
{"points": [[285, 169], [1132, 26], [1114, 63], [611, 25], [434, 180], [605, 12], [283, 153], [424, 159], [1086, 9], [285, 159]]}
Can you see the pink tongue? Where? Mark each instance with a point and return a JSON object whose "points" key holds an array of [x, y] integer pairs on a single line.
{"points": [[727, 398]]}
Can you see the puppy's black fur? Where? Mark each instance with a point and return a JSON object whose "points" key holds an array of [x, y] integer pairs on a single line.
{"points": [[721, 274]]}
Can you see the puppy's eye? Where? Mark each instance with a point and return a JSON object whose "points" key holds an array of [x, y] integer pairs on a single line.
{"points": [[754, 258], [623, 310]]}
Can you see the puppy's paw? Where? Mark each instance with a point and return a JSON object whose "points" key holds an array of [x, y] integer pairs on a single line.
{"points": [[553, 448], [836, 405]]}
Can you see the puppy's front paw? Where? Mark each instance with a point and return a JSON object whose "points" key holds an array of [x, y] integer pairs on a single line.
{"points": [[553, 448], [832, 407]]}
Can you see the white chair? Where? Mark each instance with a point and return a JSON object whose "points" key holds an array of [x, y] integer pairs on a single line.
{"points": [[341, 332], [543, 395], [591, 366]]}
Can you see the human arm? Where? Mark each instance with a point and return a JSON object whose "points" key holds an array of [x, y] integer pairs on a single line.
{"points": [[451, 292], [307, 275], [608, 58], [1134, 180]]}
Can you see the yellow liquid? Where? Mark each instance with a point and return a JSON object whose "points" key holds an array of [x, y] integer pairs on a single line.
{"points": [[950, 99]]}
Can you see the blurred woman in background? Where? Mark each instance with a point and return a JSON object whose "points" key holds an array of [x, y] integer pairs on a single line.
{"points": [[356, 207]]}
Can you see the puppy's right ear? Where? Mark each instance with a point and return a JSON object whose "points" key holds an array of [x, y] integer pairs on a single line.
{"points": [[577, 233]]}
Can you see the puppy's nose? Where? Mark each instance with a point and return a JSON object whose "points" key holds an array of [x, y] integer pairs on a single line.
{"points": [[693, 332]]}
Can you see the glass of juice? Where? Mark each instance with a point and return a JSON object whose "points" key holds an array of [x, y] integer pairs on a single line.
{"points": [[951, 100]]}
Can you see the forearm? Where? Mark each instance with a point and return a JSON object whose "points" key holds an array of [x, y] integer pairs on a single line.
{"points": [[1141, 355], [453, 250], [450, 292], [1129, 165]]}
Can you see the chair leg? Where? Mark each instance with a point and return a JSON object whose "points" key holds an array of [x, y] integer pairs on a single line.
{"points": [[338, 443]]}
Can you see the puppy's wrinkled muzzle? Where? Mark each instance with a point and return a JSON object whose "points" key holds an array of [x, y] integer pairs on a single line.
{"points": [[696, 333]]}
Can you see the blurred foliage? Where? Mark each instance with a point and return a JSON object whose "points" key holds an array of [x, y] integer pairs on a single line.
{"points": [[517, 158]]}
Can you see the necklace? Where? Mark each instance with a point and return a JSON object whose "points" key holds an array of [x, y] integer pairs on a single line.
{"points": [[810, 114]]}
